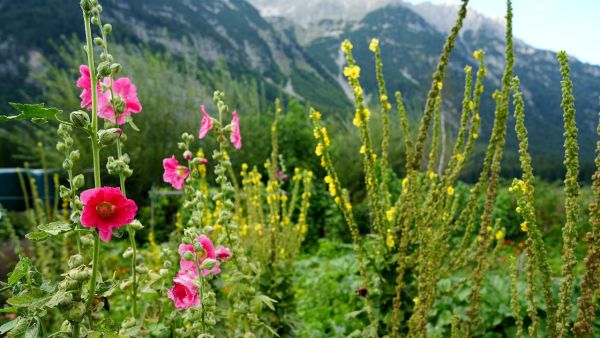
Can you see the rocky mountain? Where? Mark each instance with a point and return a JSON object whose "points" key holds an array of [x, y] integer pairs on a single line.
{"points": [[292, 48], [412, 37], [214, 30]]}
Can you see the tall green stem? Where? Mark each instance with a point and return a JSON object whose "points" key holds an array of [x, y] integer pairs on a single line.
{"points": [[95, 151]]}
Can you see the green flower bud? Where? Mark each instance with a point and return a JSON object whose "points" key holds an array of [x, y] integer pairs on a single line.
{"points": [[63, 191], [80, 119], [107, 28], [69, 142], [127, 323], [74, 155], [75, 311], [60, 146], [136, 225], [86, 5], [108, 137], [208, 264], [125, 285], [95, 20], [163, 272], [188, 256], [75, 261], [103, 68], [128, 252], [115, 68], [98, 41], [67, 164], [141, 269], [78, 181], [186, 240]]}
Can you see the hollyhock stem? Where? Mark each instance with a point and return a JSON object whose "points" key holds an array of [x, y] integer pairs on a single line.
{"points": [[201, 292], [95, 151]]}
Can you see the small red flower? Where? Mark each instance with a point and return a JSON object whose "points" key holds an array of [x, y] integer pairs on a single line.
{"points": [[106, 208]]}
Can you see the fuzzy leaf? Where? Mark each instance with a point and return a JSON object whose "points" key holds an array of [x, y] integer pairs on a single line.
{"points": [[34, 112], [20, 328], [55, 228], [38, 235], [33, 298], [56, 299], [33, 329], [20, 271], [9, 325]]}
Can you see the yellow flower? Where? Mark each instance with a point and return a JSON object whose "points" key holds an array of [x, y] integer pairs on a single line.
{"points": [[348, 206], [475, 136], [244, 166], [346, 46], [476, 117], [489, 228], [431, 175], [374, 45], [524, 227], [460, 157], [518, 210], [390, 214], [404, 182], [296, 170], [440, 85], [363, 149], [315, 116], [388, 106], [367, 113], [471, 105], [384, 98], [357, 121], [352, 72], [476, 54], [389, 240], [259, 229], [338, 200], [319, 149], [450, 191], [325, 137], [358, 90], [416, 300], [500, 235]]}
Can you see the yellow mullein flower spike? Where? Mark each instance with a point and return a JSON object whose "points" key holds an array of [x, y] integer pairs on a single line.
{"points": [[450, 190], [389, 240], [524, 227], [374, 45], [500, 235]]}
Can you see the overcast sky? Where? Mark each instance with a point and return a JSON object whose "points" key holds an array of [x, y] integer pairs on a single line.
{"points": [[572, 25]]}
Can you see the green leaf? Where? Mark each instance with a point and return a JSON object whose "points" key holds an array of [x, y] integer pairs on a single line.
{"points": [[55, 228], [20, 271], [33, 329], [267, 301], [9, 325], [34, 112], [11, 309], [38, 235], [20, 328], [33, 298], [57, 298]]}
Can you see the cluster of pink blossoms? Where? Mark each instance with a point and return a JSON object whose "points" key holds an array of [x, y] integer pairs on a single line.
{"points": [[107, 208], [175, 173], [184, 292], [122, 88]]}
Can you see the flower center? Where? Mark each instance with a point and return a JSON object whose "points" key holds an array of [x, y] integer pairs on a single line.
{"points": [[181, 171], [105, 209]]}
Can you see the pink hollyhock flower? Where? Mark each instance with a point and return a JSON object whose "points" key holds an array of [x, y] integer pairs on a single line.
{"points": [[203, 161], [236, 137], [106, 209], [223, 253], [206, 124], [187, 155], [207, 251], [125, 91], [174, 173], [184, 292], [85, 83]]}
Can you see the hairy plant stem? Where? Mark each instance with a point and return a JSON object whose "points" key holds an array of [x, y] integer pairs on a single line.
{"points": [[95, 153]]}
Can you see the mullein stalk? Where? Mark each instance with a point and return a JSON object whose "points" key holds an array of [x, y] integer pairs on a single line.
{"points": [[571, 195], [498, 140], [590, 283], [514, 297], [342, 199], [44, 163], [408, 144], [524, 190], [385, 118], [435, 140], [436, 86]]}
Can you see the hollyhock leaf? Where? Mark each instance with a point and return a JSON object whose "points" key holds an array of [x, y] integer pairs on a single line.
{"points": [[10, 309], [55, 228], [57, 298], [33, 329], [33, 298], [38, 235], [9, 325], [20, 270], [32, 112]]}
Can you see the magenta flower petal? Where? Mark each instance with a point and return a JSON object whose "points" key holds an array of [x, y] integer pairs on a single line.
{"points": [[174, 173], [206, 124], [236, 136], [106, 209]]}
